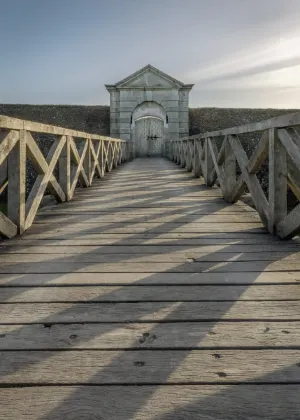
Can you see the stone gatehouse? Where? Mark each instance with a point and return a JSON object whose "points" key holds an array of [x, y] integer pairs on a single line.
{"points": [[148, 107]]}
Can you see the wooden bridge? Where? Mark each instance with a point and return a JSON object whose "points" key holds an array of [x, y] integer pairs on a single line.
{"points": [[149, 295]]}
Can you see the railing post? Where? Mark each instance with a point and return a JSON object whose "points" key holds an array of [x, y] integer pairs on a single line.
{"points": [[209, 164], [189, 157], [196, 164], [101, 159], [109, 157], [183, 154], [119, 153], [229, 170], [87, 161], [16, 196], [65, 169], [277, 180], [176, 155]]}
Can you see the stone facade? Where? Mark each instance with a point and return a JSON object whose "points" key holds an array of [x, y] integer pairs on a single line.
{"points": [[148, 93]]}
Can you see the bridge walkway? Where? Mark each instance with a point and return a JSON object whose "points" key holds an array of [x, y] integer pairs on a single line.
{"points": [[149, 297]]}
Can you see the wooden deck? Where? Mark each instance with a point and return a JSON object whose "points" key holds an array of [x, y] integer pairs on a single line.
{"points": [[148, 297]]}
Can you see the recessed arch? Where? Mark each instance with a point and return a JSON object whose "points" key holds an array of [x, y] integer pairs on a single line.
{"points": [[149, 128], [149, 109]]}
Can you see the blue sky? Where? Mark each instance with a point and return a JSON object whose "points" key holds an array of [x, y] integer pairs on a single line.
{"points": [[239, 53]]}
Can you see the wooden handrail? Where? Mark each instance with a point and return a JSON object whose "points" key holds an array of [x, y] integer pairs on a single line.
{"points": [[76, 156], [279, 143]]}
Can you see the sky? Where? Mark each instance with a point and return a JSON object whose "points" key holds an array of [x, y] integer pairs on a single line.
{"points": [[238, 53]]}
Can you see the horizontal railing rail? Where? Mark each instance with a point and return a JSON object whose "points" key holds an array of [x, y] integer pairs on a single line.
{"points": [[73, 158], [220, 155]]}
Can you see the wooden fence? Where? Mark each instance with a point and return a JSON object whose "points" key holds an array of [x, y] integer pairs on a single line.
{"points": [[279, 145], [74, 157]]}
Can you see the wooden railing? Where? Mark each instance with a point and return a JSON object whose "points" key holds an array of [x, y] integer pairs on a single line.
{"points": [[73, 158], [220, 155]]}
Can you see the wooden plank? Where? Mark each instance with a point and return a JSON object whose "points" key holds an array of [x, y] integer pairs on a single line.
{"points": [[290, 146], [106, 312], [230, 174], [143, 293], [293, 179], [274, 251], [65, 169], [290, 225], [160, 279], [180, 335], [17, 124], [183, 210], [3, 175], [192, 402], [134, 218], [59, 266], [17, 183], [287, 120], [196, 161], [7, 227], [7, 143], [254, 227], [185, 239], [87, 163], [149, 367], [171, 256], [278, 173], [175, 193]]}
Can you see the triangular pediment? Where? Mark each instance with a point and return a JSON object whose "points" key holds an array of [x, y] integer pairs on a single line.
{"points": [[150, 77]]}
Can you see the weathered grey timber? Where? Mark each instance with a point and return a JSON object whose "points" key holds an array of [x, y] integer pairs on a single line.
{"points": [[77, 156], [148, 297], [279, 143]]}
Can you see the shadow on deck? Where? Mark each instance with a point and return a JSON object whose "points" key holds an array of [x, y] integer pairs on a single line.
{"points": [[149, 297]]}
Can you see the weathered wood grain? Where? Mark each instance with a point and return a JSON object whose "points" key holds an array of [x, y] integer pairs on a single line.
{"points": [[7, 227], [16, 163], [59, 266], [76, 279], [7, 143], [18, 124], [164, 302], [192, 402], [148, 311], [153, 228], [148, 367], [249, 217], [182, 335], [267, 251], [167, 256], [150, 293]]}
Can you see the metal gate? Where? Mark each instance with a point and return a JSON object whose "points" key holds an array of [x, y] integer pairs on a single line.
{"points": [[149, 132]]}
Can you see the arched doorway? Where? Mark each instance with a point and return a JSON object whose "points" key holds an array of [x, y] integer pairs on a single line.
{"points": [[149, 129]]}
